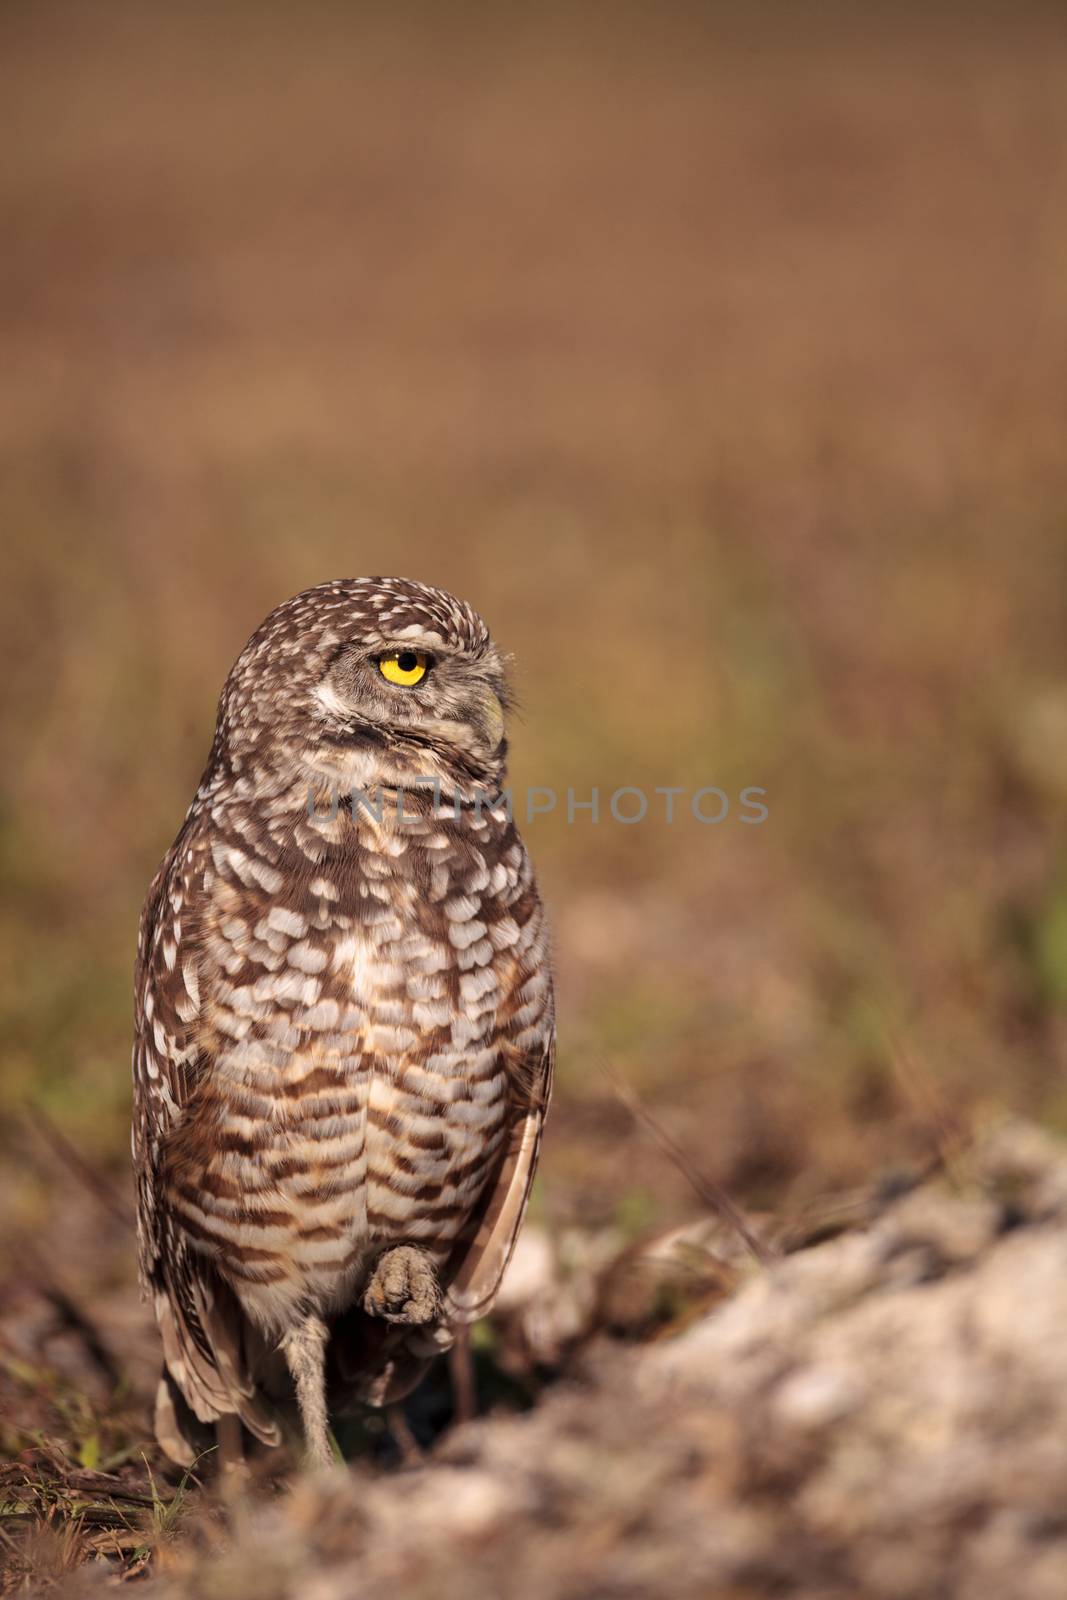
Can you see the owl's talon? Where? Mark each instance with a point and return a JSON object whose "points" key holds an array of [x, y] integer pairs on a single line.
{"points": [[403, 1287]]}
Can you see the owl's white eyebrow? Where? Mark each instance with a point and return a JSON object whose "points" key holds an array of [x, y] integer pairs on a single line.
{"points": [[414, 633], [430, 644]]}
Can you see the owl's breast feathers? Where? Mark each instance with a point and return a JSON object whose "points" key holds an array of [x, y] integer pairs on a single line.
{"points": [[345, 1039]]}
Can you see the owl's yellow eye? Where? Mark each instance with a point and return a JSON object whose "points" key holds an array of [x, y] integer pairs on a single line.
{"points": [[404, 667]]}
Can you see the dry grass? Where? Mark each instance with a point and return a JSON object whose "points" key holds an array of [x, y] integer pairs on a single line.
{"points": [[720, 357]]}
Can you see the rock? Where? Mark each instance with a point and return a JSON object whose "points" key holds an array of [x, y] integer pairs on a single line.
{"points": [[883, 1415]]}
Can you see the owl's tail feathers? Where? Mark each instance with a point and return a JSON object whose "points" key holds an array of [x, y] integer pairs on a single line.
{"points": [[208, 1370], [181, 1436]]}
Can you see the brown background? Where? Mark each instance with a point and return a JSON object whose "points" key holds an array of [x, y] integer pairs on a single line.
{"points": [[719, 356]]}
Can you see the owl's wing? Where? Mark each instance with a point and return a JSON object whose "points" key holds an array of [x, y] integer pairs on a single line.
{"points": [[201, 1325], [483, 1260]]}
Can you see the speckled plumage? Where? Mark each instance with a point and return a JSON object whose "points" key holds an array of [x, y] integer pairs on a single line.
{"points": [[344, 1018]]}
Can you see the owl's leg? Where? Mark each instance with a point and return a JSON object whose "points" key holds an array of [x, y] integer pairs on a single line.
{"points": [[403, 1287], [232, 1462], [305, 1351]]}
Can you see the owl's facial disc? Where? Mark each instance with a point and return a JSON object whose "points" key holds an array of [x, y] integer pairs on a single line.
{"points": [[416, 689]]}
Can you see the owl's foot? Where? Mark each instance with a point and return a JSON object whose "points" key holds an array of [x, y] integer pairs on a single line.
{"points": [[403, 1287]]}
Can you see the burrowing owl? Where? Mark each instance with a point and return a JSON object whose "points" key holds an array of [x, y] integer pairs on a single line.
{"points": [[344, 1020]]}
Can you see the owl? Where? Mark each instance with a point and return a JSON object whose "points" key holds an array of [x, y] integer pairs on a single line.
{"points": [[344, 1023]]}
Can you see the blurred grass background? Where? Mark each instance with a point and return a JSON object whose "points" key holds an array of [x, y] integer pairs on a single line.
{"points": [[718, 354]]}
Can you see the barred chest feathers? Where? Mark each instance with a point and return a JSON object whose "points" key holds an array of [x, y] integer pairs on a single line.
{"points": [[367, 1013]]}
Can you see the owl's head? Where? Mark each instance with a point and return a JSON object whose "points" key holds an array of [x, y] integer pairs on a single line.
{"points": [[369, 680]]}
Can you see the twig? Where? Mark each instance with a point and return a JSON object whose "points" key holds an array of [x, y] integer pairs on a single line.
{"points": [[411, 1452], [709, 1191], [72, 1482], [71, 1157], [79, 1322], [461, 1371], [950, 1141]]}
